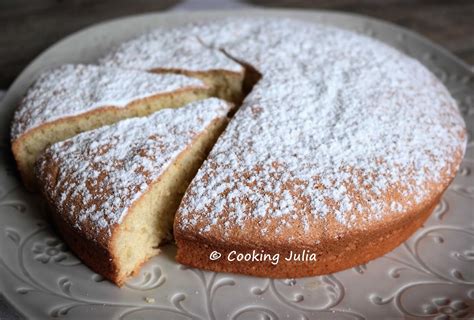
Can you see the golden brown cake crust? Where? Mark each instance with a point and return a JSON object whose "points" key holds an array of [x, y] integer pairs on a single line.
{"points": [[97, 252], [94, 254], [332, 255]]}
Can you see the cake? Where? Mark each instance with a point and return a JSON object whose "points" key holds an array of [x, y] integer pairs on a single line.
{"points": [[340, 149], [176, 51], [114, 190], [340, 152], [74, 98]]}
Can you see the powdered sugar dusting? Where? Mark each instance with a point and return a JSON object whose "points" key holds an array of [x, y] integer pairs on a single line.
{"points": [[71, 90], [340, 127], [94, 178], [172, 49]]}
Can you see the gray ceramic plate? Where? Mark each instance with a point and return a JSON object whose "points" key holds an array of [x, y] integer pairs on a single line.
{"points": [[430, 275]]}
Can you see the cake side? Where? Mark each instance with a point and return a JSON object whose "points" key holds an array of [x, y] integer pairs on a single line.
{"points": [[115, 189], [75, 98], [284, 260]]}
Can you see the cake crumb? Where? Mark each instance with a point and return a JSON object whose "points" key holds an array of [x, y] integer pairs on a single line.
{"points": [[149, 300]]}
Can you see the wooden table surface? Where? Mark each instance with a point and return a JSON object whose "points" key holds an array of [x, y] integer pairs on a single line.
{"points": [[27, 27]]}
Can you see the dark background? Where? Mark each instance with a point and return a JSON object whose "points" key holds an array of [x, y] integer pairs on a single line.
{"points": [[27, 27]]}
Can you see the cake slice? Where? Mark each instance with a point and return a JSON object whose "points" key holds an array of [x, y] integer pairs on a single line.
{"points": [[74, 98], [113, 191], [180, 50]]}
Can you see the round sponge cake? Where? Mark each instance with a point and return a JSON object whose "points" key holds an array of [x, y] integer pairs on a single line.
{"points": [[341, 149]]}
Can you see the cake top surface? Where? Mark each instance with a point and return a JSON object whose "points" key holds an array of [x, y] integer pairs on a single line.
{"points": [[70, 90], [95, 177], [171, 49], [341, 131]]}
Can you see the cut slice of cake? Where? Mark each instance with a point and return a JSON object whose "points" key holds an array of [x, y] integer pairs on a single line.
{"points": [[74, 98], [114, 190], [180, 51]]}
